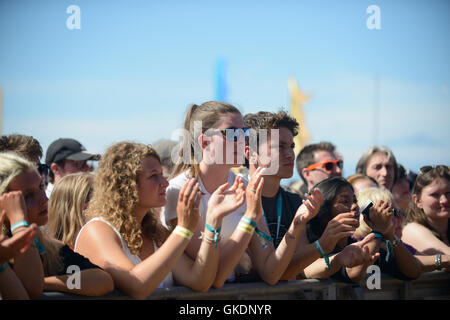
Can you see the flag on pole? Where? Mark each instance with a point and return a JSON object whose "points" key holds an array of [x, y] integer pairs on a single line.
{"points": [[298, 99]]}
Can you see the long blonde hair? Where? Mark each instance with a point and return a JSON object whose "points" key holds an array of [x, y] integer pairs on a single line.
{"points": [[374, 195], [11, 166], [65, 207], [208, 114], [116, 193]]}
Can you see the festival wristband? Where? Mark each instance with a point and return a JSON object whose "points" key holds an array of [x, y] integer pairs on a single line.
{"points": [[249, 221], [185, 233], [322, 253], [19, 224], [216, 233], [243, 226]]}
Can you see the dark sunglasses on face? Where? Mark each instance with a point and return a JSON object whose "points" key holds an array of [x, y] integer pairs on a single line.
{"points": [[440, 168], [233, 134], [327, 165]]}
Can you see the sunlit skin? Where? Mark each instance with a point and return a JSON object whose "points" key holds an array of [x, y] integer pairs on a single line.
{"points": [[33, 191], [381, 169], [435, 199]]}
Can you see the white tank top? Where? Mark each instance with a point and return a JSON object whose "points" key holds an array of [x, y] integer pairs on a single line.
{"points": [[167, 282]]}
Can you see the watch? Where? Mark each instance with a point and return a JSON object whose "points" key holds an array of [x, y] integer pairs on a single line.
{"points": [[438, 261]]}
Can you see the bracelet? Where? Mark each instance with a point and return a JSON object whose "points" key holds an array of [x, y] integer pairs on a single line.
{"points": [[19, 224], [208, 239], [216, 233], [185, 233], [39, 245], [3, 267], [322, 253], [389, 245], [263, 237], [243, 226], [438, 261], [249, 221]]}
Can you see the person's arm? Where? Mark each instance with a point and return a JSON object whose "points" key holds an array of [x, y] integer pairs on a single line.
{"points": [[27, 266], [10, 286], [423, 240], [271, 263], [93, 282], [200, 273], [406, 262], [428, 262], [341, 226]]}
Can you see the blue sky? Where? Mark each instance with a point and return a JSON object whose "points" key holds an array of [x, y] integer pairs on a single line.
{"points": [[134, 67]]}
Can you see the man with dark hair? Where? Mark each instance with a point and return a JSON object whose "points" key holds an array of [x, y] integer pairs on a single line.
{"points": [[25, 146], [279, 205], [317, 162], [65, 156]]}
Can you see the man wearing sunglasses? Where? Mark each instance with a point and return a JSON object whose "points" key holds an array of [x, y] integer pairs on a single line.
{"points": [[317, 162]]}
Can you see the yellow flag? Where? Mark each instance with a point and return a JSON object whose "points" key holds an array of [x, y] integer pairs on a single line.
{"points": [[298, 99]]}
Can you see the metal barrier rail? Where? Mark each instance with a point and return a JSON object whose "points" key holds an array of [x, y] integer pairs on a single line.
{"points": [[431, 285]]}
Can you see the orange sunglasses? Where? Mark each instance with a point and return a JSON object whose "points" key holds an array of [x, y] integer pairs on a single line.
{"points": [[327, 165]]}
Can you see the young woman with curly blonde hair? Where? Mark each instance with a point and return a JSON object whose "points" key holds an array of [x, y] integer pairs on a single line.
{"points": [[67, 206], [126, 238]]}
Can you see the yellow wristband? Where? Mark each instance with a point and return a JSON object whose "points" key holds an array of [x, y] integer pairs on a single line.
{"points": [[185, 233], [243, 226]]}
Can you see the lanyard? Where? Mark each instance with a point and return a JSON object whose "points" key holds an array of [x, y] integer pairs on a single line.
{"points": [[279, 210]]}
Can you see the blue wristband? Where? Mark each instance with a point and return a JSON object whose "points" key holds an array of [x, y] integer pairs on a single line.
{"points": [[21, 223], [263, 236], [216, 232], [39, 245], [322, 253], [249, 221]]}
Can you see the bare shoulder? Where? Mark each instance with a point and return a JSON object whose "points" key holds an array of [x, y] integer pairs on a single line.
{"points": [[415, 229], [97, 231]]}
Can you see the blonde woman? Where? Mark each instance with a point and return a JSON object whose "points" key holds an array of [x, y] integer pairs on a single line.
{"points": [[43, 267], [67, 206], [124, 236], [213, 144], [395, 258]]}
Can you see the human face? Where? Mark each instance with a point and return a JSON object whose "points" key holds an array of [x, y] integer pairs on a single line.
{"points": [[435, 199], [400, 192], [151, 184], [33, 191], [381, 169], [319, 174], [345, 201], [71, 166], [282, 154], [221, 151]]}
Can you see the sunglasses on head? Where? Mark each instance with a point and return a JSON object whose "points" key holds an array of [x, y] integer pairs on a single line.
{"points": [[440, 168], [327, 165], [233, 134]]}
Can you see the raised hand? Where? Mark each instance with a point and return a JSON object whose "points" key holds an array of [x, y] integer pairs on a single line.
{"points": [[309, 207], [188, 202], [380, 217], [18, 243], [13, 204], [358, 253], [253, 195], [341, 226], [223, 201]]}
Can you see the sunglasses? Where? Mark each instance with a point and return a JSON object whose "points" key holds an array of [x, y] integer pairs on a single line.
{"points": [[43, 169], [233, 134], [440, 169], [327, 165]]}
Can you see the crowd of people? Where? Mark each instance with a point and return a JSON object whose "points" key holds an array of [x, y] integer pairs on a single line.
{"points": [[218, 212]]}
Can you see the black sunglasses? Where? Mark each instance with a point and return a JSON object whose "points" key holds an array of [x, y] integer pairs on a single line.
{"points": [[440, 169], [233, 134]]}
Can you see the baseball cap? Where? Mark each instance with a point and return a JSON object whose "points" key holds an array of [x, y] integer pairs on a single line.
{"points": [[66, 148]]}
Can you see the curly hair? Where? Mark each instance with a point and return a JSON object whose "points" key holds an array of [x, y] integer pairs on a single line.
{"points": [[116, 193]]}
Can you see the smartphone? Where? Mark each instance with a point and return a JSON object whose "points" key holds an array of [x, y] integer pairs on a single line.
{"points": [[365, 209]]}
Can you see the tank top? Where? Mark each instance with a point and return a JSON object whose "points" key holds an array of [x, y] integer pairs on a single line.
{"points": [[166, 283]]}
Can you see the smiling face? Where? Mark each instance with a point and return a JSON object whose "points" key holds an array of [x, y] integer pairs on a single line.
{"points": [[33, 191], [344, 201], [151, 184], [435, 199]]}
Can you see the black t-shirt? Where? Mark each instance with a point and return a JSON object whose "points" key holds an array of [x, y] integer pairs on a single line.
{"points": [[289, 203], [70, 257]]}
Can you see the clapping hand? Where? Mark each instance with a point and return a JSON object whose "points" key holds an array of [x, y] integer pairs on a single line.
{"points": [[309, 207], [188, 202], [358, 253]]}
